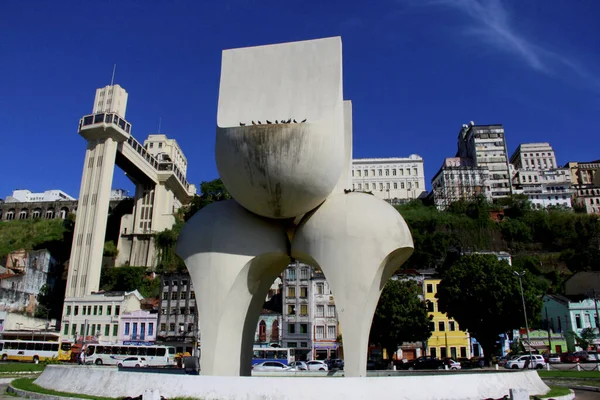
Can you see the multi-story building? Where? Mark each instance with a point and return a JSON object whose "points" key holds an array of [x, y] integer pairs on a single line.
{"points": [[459, 179], [167, 150], [297, 323], [571, 314], [534, 156], [110, 99], [178, 316], [544, 188], [26, 196], [324, 318], [138, 327], [485, 146], [24, 275], [585, 180], [447, 340], [395, 180], [268, 329], [96, 317]]}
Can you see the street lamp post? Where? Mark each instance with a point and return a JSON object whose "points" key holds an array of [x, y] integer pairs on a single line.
{"points": [[519, 275]]}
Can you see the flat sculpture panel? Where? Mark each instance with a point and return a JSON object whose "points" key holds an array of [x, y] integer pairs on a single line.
{"points": [[271, 165]]}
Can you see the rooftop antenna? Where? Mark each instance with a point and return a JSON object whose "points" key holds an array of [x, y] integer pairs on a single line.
{"points": [[113, 75], [159, 123]]}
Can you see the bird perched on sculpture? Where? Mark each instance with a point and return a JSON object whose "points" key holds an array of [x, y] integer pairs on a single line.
{"points": [[242, 124]]}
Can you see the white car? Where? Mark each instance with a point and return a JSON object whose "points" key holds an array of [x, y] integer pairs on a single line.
{"points": [[270, 366], [452, 364], [299, 366], [133, 362], [316, 365], [537, 361]]}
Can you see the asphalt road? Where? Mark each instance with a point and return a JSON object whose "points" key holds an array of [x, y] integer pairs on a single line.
{"points": [[584, 395]]}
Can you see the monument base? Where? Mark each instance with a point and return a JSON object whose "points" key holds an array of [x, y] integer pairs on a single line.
{"points": [[110, 382]]}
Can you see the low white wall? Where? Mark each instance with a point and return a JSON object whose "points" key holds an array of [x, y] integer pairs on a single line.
{"points": [[109, 382]]}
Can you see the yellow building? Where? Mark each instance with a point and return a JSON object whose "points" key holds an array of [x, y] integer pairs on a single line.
{"points": [[447, 340]]}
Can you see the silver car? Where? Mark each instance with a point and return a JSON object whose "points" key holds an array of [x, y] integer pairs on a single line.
{"points": [[270, 366]]}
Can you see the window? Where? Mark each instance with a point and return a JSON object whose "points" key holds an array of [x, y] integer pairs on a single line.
{"points": [[395, 185], [192, 295], [394, 172], [433, 352], [303, 309], [83, 310], [108, 310], [432, 326], [100, 310], [443, 353], [172, 327], [430, 306], [407, 171], [66, 331], [441, 326], [150, 328], [76, 310], [291, 309], [331, 311], [163, 327], [160, 145], [291, 291], [68, 310], [578, 321], [417, 185], [415, 171], [117, 310], [451, 326], [291, 328], [380, 172], [127, 328], [320, 287], [430, 288], [358, 172], [463, 352], [304, 273], [303, 328], [173, 295], [182, 297], [331, 331], [291, 274], [387, 172], [304, 292], [320, 331], [115, 330], [95, 310], [320, 311], [381, 186], [106, 330], [401, 185]]}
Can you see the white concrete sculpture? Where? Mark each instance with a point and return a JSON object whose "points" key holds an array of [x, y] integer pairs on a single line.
{"points": [[284, 150]]}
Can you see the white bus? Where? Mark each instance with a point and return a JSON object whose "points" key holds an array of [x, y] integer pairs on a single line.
{"points": [[34, 350], [156, 356]]}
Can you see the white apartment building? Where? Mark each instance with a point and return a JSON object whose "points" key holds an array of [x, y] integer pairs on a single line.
{"points": [[544, 188], [26, 196], [97, 316], [111, 99], [485, 146], [458, 179], [395, 180], [588, 198], [324, 318], [166, 150], [534, 156], [585, 180], [297, 322]]}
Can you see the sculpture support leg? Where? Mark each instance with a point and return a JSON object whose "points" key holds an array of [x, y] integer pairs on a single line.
{"points": [[358, 241], [233, 256]]}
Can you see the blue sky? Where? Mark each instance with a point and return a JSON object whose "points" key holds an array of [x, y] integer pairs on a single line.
{"points": [[415, 70]]}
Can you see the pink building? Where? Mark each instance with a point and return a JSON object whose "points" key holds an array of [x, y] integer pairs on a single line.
{"points": [[138, 326]]}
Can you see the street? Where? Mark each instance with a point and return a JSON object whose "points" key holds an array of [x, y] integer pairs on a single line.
{"points": [[585, 395]]}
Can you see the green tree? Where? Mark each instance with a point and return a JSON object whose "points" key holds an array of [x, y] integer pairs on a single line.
{"points": [[400, 316], [585, 339], [210, 192], [483, 295], [110, 249]]}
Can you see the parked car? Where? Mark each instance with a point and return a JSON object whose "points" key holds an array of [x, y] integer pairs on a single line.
{"points": [[133, 362], [452, 364], [533, 361], [424, 362], [317, 365], [552, 358], [270, 366], [299, 365], [335, 364], [586, 356], [569, 358]]}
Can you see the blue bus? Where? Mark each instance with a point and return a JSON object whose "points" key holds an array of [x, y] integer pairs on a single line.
{"points": [[281, 354]]}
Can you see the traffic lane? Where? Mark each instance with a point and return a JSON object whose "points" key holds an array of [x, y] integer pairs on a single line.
{"points": [[586, 395]]}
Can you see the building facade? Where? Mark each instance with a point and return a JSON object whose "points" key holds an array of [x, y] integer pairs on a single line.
{"points": [[138, 327], [24, 275], [459, 179], [534, 156], [565, 314], [96, 317], [297, 322], [485, 146], [324, 318], [26, 196], [585, 179], [268, 329], [395, 180], [178, 315], [544, 188], [447, 340]]}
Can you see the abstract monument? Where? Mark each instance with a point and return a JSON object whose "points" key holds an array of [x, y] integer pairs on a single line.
{"points": [[284, 150]]}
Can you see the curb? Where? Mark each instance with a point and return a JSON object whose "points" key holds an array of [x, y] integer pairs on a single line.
{"points": [[569, 396], [586, 388], [40, 396], [21, 373]]}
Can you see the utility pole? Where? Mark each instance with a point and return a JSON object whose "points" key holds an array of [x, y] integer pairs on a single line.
{"points": [[525, 314], [549, 336]]}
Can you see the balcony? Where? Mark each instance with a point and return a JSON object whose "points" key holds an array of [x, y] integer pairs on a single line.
{"points": [[105, 118]]}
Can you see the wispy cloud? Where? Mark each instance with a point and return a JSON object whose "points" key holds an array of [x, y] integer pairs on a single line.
{"points": [[490, 21]]}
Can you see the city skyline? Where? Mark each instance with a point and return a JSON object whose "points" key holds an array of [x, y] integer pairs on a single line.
{"points": [[412, 88]]}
